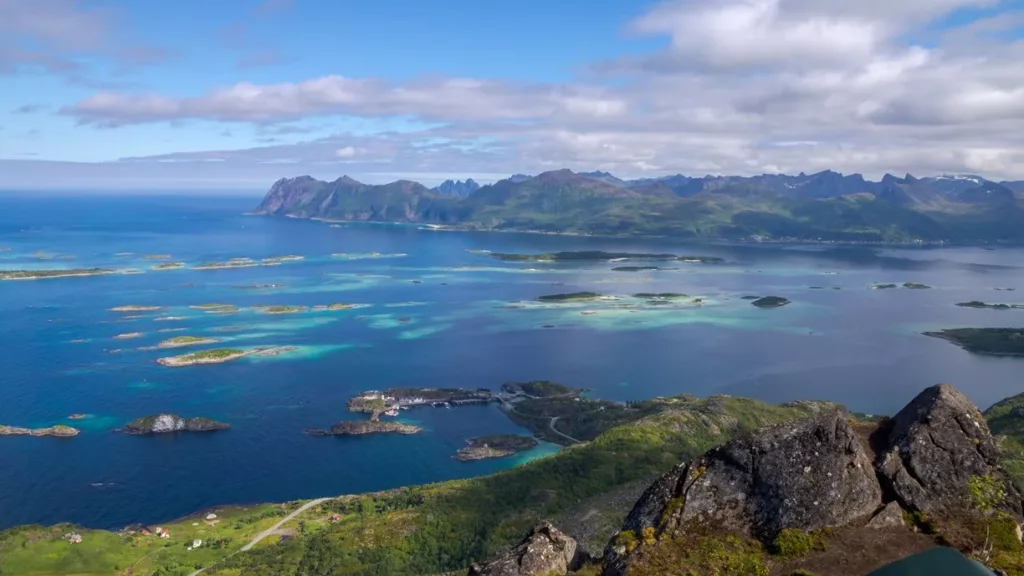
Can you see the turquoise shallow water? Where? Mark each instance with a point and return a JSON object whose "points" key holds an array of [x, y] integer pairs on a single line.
{"points": [[437, 316]]}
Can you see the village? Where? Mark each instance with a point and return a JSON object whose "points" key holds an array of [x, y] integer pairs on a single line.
{"points": [[389, 402]]}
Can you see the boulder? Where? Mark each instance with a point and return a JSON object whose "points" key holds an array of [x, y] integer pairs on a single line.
{"points": [[546, 551], [933, 448], [889, 517], [810, 474]]}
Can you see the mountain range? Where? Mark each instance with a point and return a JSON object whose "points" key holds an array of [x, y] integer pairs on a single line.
{"points": [[825, 206]]}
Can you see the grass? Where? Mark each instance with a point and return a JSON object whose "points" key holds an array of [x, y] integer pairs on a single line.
{"points": [[39, 551]]}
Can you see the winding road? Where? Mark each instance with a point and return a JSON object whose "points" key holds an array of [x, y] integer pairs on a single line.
{"points": [[551, 425], [268, 531]]}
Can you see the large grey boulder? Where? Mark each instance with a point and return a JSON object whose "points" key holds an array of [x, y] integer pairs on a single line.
{"points": [[546, 551], [934, 447], [810, 474]]}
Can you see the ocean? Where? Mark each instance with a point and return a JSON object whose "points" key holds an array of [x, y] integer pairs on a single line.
{"points": [[439, 311]]}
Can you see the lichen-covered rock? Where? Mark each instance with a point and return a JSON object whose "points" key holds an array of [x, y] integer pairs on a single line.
{"points": [[546, 551], [889, 517], [934, 447], [167, 423], [809, 474]]}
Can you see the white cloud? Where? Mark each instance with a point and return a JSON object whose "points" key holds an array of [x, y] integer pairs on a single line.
{"points": [[743, 86]]}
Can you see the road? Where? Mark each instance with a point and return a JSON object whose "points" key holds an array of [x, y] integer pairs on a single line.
{"points": [[268, 531], [551, 425]]}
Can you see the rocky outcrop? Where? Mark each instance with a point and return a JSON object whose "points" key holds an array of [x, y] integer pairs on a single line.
{"points": [[168, 423], [59, 431], [933, 448], [810, 474], [889, 517], [362, 427], [546, 551]]}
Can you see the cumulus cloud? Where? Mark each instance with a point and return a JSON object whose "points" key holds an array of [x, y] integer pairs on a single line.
{"points": [[742, 87]]}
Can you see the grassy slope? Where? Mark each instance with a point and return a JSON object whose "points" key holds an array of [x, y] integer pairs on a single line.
{"points": [[424, 529], [1009, 427], [42, 551]]}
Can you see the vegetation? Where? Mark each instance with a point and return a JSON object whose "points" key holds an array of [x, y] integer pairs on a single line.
{"points": [[825, 206], [39, 274], [572, 297], [169, 266], [180, 341], [659, 295], [539, 389], [38, 551], [496, 446], [280, 309], [979, 304], [793, 543], [991, 341], [770, 302], [1006, 421], [699, 555], [205, 357]]}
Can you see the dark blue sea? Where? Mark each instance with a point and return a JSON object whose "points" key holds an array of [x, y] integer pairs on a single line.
{"points": [[439, 313]]}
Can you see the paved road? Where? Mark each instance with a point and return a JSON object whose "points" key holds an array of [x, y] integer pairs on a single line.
{"points": [[269, 531], [551, 425]]}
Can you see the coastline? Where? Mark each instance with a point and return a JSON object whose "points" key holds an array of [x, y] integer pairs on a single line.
{"points": [[717, 239]]}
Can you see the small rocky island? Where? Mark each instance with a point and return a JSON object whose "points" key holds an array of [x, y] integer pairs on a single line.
{"points": [[572, 297], [641, 269], [597, 255], [989, 341], [279, 309], [205, 357], [169, 266], [497, 446], [770, 302], [363, 427], [659, 295], [41, 274], [168, 423], [916, 286], [181, 341], [135, 308], [883, 286], [57, 431], [978, 304]]}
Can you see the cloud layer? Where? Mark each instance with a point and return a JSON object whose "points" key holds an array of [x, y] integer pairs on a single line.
{"points": [[741, 87]]}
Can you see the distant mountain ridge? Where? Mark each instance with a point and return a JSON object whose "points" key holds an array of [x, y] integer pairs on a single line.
{"points": [[826, 206]]}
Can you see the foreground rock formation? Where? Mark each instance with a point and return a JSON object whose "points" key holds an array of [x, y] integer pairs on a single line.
{"points": [[546, 551]]}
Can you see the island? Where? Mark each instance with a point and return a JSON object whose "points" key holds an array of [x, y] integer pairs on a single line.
{"points": [[597, 255], [916, 286], [78, 417], [278, 309], [338, 306], [571, 297], [135, 308], [390, 401], [205, 357], [43, 274], [168, 423], [181, 341], [128, 336], [659, 295], [641, 269], [58, 431], [168, 266], [978, 304], [883, 286], [497, 446], [228, 264], [217, 308], [363, 427], [988, 341], [770, 302], [280, 259], [157, 257], [258, 286], [169, 318]]}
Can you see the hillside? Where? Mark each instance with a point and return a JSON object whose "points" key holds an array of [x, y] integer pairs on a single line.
{"points": [[823, 206], [587, 493]]}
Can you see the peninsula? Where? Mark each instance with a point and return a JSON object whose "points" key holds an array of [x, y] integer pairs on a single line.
{"points": [[990, 341], [497, 446], [58, 431]]}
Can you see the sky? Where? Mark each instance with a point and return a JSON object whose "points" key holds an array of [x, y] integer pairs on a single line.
{"points": [[233, 94]]}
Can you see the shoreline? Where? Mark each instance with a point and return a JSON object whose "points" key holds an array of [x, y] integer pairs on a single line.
{"points": [[696, 239]]}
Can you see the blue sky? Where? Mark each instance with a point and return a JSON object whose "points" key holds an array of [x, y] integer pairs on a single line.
{"points": [[232, 94]]}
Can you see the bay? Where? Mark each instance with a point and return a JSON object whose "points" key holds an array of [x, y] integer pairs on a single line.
{"points": [[437, 315]]}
